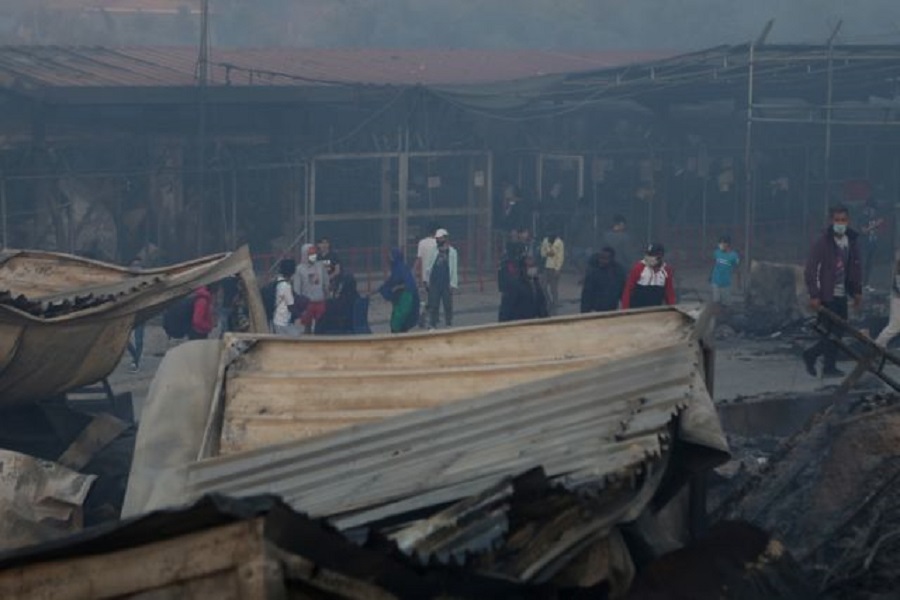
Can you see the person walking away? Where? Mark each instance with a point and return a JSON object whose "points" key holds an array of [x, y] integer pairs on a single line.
{"points": [[726, 259], [650, 282], [619, 240], [553, 251], [507, 276], [871, 231], [426, 245], [136, 339], [284, 314], [401, 290], [441, 275], [311, 284], [524, 297], [202, 318], [833, 274], [604, 282], [892, 328]]}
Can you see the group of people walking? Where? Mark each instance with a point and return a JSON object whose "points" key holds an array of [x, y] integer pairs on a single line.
{"points": [[315, 296]]}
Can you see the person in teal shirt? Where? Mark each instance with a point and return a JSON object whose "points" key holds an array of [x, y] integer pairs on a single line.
{"points": [[726, 259]]}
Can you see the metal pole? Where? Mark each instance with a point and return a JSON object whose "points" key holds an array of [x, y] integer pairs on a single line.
{"points": [[828, 115], [403, 190], [748, 167], [704, 218], [234, 195], [202, 81], [489, 209], [311, 213], [3, 214], [804, 239]]}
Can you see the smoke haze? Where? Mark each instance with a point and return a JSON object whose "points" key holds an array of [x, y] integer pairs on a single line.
{"points": [[546, 24]]}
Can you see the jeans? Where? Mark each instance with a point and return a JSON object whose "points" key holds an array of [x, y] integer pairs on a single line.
{"points": [[824, 347], [438, 294], [552, 277], [136, 344]]}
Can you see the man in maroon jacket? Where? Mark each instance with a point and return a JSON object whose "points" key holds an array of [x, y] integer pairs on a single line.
{"points": [[833, 274]]}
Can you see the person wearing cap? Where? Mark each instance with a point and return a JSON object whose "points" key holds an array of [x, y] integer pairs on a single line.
{"points": [[650, 281], [439, 271], [726, 259], [426, 245]]}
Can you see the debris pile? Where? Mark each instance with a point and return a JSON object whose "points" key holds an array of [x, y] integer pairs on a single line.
{"points": [[831, 493]]}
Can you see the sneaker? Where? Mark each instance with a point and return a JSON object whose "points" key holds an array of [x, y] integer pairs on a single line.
{"points": [[833, 373], [809, 361]]}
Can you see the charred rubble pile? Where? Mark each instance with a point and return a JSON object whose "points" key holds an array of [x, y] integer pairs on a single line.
{"points": [[831, 494]]}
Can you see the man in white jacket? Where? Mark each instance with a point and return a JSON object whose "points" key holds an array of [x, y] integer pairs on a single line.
{"points": [[440, 273]]}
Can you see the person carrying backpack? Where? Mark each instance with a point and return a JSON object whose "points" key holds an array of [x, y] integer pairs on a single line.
{"points": [[283, 301]]}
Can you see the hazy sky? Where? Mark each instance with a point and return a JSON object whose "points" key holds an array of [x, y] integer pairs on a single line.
{"points": [[564, 24]]}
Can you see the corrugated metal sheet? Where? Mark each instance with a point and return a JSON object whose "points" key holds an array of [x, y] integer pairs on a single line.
{"points": [[32, 67], [279, 389], [80, 312], [608, 422]]}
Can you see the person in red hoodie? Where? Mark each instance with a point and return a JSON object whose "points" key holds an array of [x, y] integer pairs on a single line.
{"points": [[202, 321], [650, 281]]}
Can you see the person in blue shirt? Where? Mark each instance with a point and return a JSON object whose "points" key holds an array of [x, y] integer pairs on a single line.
{"points": [[726, 259]]}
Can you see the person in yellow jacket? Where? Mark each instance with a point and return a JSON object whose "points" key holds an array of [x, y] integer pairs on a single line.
{"points": [[553, 251]]}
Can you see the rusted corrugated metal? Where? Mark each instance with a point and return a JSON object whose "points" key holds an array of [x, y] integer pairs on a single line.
{"points": [[65, 320], [607, 423], [35, 67]]}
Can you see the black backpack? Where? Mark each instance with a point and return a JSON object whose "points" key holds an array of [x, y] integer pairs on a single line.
{"points": [[178, 318]]}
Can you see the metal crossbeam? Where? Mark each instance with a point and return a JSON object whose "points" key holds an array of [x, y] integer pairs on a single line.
{"points": [[873, 359]]}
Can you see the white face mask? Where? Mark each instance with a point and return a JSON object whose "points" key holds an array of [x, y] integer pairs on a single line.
{"points": [[652, 261], [312, 258]]}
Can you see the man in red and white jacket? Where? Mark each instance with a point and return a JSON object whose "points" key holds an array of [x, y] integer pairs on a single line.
{"points": [[650, 281]]}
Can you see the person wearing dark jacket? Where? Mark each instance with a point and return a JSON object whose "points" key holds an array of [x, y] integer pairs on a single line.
{"points": [[342, 297], [524, 295], [402, 292], [604, 282], [833, 275]]}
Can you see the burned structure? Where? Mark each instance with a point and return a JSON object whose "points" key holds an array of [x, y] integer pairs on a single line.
{"points": [[105, 151]]}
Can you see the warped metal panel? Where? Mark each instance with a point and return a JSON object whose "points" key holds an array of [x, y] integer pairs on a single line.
{"points": [[611, 419], [277, 390], [80, 312]]}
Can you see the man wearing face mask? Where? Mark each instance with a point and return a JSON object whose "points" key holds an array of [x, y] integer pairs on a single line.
{"points": [[311, 283], [650, 281], [441, 278], [833, 275]]}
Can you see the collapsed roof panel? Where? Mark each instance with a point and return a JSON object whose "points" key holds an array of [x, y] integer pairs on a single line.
{"points": [[80, 312]]}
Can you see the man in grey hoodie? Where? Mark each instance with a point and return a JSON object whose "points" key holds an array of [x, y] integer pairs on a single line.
{"points": [[311, 284]]}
